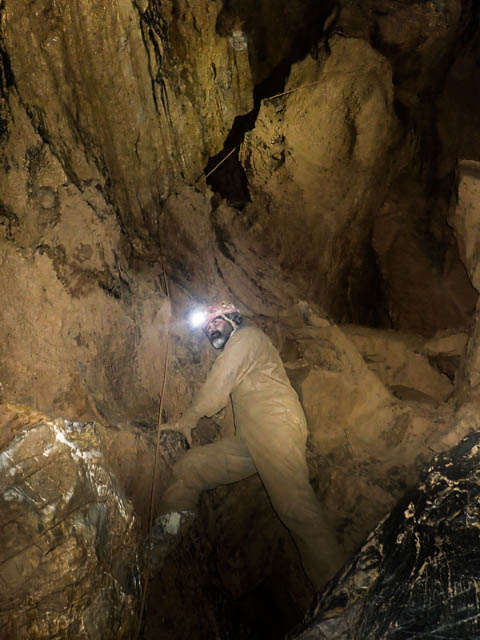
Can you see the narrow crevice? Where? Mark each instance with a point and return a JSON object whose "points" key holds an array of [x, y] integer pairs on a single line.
{"points": [[7, 80], [230, 180]]}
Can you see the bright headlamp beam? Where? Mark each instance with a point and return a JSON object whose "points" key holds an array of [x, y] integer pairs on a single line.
{"points": [[197, 318]]}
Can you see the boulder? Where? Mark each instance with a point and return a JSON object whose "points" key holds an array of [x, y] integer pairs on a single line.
{"points": [[68, 541], [398, 361], [299, 157], [416, 575], [446, 349]]}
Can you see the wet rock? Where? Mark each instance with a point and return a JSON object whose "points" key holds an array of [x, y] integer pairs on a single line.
{"points": [[68, 540], [416, 575]]}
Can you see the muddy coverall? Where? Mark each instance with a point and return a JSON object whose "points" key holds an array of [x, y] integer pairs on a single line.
{"points": [[270, 440]]}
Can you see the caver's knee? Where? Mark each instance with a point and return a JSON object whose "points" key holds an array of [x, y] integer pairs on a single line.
{"points": [[186, 464]]}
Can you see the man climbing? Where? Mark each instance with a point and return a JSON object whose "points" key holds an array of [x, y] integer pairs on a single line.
{"points": [[270, 440]]}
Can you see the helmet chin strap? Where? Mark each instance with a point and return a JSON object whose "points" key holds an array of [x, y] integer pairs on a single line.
{"points": [[231, 323]]}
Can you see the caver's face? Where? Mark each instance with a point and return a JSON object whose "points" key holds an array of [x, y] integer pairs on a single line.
{"points": [[218, 332]]}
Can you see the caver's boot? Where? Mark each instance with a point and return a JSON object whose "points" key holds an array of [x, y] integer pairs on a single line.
{"points": [[167, 531]]}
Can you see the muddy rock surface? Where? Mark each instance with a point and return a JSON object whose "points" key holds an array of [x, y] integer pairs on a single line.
{"points": [[464, 215], [69, 565], [402, 361], [298, 159], [367, 445]]}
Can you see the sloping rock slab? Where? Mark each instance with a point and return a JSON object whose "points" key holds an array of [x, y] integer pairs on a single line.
{"points": [[68, 566], [417, 575], [398, 361]]}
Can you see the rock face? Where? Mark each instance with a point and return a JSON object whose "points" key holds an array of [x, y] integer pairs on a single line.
{"points": [[314, 173], [68, 541], [113, 89], [299, 158], [67, 283], [367, 446], [426, 283], [416, 575], [109, 113], [401, 361]]}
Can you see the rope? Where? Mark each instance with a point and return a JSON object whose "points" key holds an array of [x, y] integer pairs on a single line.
{"points": [[285, 93], [279, 95], [155, 463], [217, 165]]}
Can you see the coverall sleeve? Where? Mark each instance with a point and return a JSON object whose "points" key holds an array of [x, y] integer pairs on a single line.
{"points": [[229, 369]]}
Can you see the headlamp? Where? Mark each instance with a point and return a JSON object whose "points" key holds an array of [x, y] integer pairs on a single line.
{"points": [[197, 318]]}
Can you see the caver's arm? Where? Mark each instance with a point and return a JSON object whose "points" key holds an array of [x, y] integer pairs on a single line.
{"points": [[229, 369]]}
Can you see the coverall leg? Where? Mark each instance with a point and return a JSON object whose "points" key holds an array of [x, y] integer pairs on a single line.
{"points": [[277, 448], [206, 467], [277, 452]]}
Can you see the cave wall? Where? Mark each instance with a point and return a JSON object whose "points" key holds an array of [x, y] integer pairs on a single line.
{"points": [[67, 295], [351, 154], [107, 111], [132, 96], [108, 116], [337, 129]]}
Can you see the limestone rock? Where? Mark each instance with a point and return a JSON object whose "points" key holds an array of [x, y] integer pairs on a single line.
{"points": [[416, 573], [458, 117], [277, 30], [464, 220], [447, 349], [68, 543], [66, 283], [427, 286], [366, 446], [299, 159], [134, 98], [398, 31], [446, 344], [424, 282], [401, 366]]}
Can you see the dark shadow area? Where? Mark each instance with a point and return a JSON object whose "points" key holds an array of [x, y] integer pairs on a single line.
{"points": [[259, 615]]}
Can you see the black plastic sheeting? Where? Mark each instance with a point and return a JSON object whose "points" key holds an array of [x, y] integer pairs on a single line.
{"points": [[418, 573]]}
